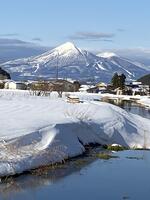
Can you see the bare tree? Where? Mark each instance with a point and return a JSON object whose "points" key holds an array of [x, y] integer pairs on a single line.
{"points": [[44, 88]]}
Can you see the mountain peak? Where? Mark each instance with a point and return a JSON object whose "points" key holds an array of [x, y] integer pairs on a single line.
{"points": [[66, 46]]}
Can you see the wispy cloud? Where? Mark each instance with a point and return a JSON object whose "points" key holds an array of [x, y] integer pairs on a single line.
{"points": [[37, 39], [14, 42], [9, 34], [107, 40], [11, 49], [92, 36], [121, 30]]}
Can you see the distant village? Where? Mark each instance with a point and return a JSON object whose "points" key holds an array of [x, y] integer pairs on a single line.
{"points": [[118, 85]]}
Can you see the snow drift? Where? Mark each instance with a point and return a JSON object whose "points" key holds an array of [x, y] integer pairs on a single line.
{"points": [[36, 131]]}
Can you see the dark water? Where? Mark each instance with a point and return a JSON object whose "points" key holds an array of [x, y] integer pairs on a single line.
{"points": [[132, 107], [87, 177]]}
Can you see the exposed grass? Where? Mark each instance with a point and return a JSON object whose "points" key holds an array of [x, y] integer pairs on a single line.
{"points": [[105, 156], [43, 170], [122, 148], [80, 162], [116, 148]]}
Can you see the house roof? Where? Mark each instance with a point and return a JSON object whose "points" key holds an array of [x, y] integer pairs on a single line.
{"points": [[101, 84]]}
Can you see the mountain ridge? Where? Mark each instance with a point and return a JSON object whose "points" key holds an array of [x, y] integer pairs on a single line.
{"points": [[73, 63]]}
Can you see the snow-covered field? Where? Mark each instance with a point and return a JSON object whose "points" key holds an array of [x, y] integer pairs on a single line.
{"points": [[36, 131]]}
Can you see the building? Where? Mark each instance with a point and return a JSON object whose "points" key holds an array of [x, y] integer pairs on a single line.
{"points": [[84, 88], [94, 89], [138, 88], [101, 86], [15, 85], [65, 85]]}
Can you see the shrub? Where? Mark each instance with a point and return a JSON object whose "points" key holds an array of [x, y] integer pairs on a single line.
{"points": [[116, 148], [105, 156]]}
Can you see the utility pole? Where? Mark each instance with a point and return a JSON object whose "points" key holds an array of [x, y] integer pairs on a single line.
{"points": [[57, 66]]}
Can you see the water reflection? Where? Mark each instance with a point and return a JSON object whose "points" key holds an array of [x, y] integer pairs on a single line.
{"points": [[46, 176], [130, 106], [116, 179]]}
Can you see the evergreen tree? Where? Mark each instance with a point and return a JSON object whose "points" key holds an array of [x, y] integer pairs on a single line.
{"points": [[122, 81], [114, 80], [118, 81]]}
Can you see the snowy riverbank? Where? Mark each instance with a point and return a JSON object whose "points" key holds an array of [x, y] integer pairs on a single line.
{"points": [[37, 131], [144, 100]]}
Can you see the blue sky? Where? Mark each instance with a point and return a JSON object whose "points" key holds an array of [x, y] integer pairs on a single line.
{"points": [[90, 24]]}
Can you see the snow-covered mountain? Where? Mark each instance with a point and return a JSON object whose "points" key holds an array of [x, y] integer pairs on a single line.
{"points": [[131, 69], [73, 63]]}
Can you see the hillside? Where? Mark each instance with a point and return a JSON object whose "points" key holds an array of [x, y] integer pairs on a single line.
{"points": [[145, 79]]}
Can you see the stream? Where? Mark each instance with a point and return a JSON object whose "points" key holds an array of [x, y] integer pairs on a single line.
{"points": [[126, 176]]}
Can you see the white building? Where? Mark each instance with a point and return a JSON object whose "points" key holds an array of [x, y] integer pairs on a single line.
{"points": [[84, 88], [15, 85]]}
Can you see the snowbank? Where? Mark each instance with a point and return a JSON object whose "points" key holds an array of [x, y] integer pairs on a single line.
{"points": [[84, 96], [36, 131], [145, 101]]}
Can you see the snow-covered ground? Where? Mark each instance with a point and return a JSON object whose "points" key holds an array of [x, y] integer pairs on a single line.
{"points": [[36, 131]]}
